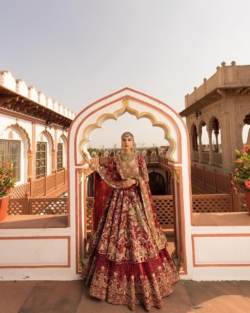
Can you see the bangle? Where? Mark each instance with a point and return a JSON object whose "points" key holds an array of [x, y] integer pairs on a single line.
{"points": [[136, 182]]}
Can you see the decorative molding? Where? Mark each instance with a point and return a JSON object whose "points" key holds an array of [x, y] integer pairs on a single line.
{"points": [[126, 108]]}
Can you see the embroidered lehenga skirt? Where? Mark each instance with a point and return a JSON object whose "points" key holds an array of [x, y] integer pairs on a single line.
{"points": [[126, 265]]}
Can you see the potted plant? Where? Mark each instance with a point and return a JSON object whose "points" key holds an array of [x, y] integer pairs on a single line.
{"points": [[149, 151], [241, 175], [156, 150], [90, 150], [100, 153], [7, 182]]}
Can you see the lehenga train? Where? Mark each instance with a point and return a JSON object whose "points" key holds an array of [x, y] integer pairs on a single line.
{"points": [[128, 260]]}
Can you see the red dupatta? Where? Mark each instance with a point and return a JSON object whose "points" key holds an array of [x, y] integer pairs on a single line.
{"points": [[101, 193]]}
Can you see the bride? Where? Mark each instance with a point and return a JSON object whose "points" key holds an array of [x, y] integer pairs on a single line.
{"points": [[128, 260]]}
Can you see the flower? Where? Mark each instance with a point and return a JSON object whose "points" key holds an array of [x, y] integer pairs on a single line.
{"points": [[7, 181], [247, 184], [241, 175]]}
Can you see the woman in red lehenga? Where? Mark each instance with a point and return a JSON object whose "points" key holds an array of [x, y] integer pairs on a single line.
{"points": [[128, 260]]}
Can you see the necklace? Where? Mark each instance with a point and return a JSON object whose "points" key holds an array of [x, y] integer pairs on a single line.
{"points": [[127, 158]]}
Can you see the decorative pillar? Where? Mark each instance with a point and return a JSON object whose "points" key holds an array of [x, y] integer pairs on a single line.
{"points": [[191, 145], [180, 232], [200, 146], [29, 155], [176, 248], [53, 154], [216, 133], [81, 220], [34, 150], [85, 234], [210, 148]]}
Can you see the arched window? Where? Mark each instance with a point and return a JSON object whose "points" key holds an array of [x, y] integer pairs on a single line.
{"points": [[10, 152], [41, 159], [195, 138], [59, 157], [157, 184]]}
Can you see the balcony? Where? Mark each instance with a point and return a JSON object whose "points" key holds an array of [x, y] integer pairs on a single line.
{"points": [[48, 186]]}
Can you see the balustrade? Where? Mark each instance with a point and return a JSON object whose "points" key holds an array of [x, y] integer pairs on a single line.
{"points": [[51, 185], [215, 181]]}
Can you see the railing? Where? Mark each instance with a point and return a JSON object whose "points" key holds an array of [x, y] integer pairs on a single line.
{"points": [[212, 203], [209, 203], [195, 156], [239, 202], [217, 158], [205, 157], [217, 182], [148, 159], [163, 206], [38, 206], [47, 186]]}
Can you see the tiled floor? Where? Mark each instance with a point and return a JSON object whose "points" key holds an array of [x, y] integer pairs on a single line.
{"points": [[73, 297]]}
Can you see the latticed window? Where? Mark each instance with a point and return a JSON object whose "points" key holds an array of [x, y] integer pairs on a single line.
{"points": [[59, 156], [41, 159], [10, 152]]}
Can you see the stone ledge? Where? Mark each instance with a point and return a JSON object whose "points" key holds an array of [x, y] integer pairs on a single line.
{"points": [[221, 219], [34, 221]]}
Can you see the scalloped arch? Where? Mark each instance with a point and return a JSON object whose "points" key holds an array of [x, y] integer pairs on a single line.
{"points": [[126, 108], [23, 131], [51, 138], [210, 123], [201, 124], [192, 128], [64, 137]]}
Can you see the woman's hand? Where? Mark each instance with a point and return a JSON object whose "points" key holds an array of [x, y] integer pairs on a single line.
{"points": [[129, 182], [85, 157]]}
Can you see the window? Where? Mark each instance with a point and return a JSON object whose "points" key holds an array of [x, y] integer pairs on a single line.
{"points": [[157, 184], [41, 159], [59, 157], [10, 152]]}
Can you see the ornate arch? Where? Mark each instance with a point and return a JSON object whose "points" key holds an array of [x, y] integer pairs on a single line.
{"points": [[192, 129], [24, 132], [64, 138], [200, 125], [210, 124], [126, 108], [51, 138], [175, 131]]}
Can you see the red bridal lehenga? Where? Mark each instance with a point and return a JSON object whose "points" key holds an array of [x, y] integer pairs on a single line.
{"points": [[128, 260]]}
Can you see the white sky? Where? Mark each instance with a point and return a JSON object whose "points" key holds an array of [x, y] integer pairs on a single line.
{"points": [[78, 51]]}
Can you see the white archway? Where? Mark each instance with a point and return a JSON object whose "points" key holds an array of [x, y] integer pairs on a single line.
{"points": [[175, 131]]}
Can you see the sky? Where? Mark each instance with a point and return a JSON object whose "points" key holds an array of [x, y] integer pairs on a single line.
{"points": [[78, 51]]}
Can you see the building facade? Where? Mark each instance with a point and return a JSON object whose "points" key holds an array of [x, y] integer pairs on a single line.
{"points": [[33, 130], [220, 108]]}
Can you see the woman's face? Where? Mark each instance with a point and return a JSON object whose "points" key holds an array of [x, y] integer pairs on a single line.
{"points": [[127, 143]]}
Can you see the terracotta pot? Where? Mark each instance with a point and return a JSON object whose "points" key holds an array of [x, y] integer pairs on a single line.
{"points": [[247, 195], [4, 202]]}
